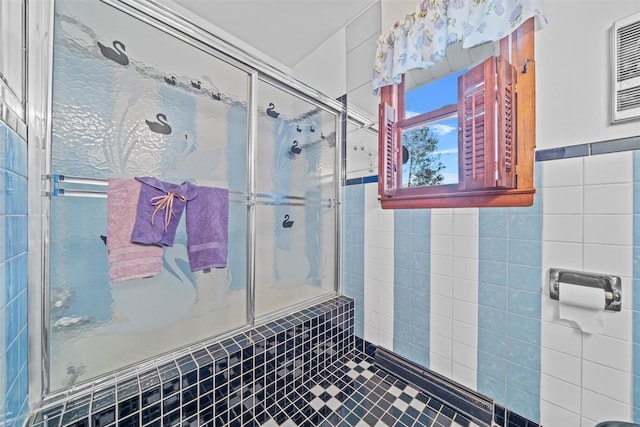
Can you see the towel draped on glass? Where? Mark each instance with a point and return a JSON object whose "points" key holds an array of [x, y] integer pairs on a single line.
{"points": [[127, 260], [160, 208]]}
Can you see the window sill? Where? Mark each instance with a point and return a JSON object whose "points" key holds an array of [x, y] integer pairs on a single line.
{"points": [[463, 199]]}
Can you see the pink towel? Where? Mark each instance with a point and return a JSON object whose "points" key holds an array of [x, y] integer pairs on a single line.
{"points": [[127, 260]]}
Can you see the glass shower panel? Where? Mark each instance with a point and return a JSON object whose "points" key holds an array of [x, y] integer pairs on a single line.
{"points": [[295, 249], [295, 212], [296, 153], [131, 100]]}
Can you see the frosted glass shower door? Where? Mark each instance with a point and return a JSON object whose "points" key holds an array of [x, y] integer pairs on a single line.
{"points": [[295, 203], [130, 100]]}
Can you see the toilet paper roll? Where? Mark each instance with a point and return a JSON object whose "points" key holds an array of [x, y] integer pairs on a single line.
{"points": [[583, 305]]}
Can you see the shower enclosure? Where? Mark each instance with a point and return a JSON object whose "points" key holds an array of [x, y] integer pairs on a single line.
{"points": [[137, 92]]}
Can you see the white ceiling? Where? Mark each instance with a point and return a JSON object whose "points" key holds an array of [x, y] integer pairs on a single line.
{"points": [[285, 30]]}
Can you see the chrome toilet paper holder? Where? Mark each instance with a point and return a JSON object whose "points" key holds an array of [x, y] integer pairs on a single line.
{"points": [[612, 285]]}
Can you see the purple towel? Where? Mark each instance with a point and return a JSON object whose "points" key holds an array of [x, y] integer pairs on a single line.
{"points": [[127, 260], [160, 208], [208, 228]]}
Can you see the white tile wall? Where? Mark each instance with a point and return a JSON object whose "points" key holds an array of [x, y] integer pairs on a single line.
{"points": [[561, 337], [465, 290], [440, 345], [609, 168], [598, 407], [562, 255], [442, 306], [561, 392], [560, 365], [464, 355], [608, 198], [608, 229], [454, 293], [441, 264], [588, 226], [441, 290], [379, 273], [440, 364], [610, 259], [553, 415], [463, 374], [562, 200], [465, 222], [464, 333], [466, 268], [441, 222], [617, 324], [441, 244], [562, 228], [441, 285], [608, 381], [563, 173], [465, 247], [442, 324], [465, 312]]}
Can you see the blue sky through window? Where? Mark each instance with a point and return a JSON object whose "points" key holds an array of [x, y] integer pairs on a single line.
{"points": [[429, 97]]}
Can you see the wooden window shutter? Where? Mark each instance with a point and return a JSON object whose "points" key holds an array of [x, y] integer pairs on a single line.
{"points": [[388, 160], [506, 101], [486, 126]]}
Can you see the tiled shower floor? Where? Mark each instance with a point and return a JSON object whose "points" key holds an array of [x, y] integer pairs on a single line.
{"points": [[352, 392]]}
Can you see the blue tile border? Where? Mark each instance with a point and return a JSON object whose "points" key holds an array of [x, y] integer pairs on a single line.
{"points": [[562, 152], [589, 149], [615, 145], [361, 180], [353, 181]]}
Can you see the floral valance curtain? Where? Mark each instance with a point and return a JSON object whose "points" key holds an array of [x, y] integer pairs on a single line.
{"points": [[421, 40]]}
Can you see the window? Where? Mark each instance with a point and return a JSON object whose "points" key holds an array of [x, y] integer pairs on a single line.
{"points": [[491, 164]]}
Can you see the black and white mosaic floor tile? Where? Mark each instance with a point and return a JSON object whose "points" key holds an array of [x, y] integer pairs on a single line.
{"points": [[354, 393]]}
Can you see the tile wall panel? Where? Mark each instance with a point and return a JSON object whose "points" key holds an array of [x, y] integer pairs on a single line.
{"points": [[352, 253], [13, 278], [379, 270], [412, 284], [525, 356], [588, 226], [509, 306]]}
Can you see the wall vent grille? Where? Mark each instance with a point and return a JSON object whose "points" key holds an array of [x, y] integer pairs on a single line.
{"points": [[626, 68]]}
